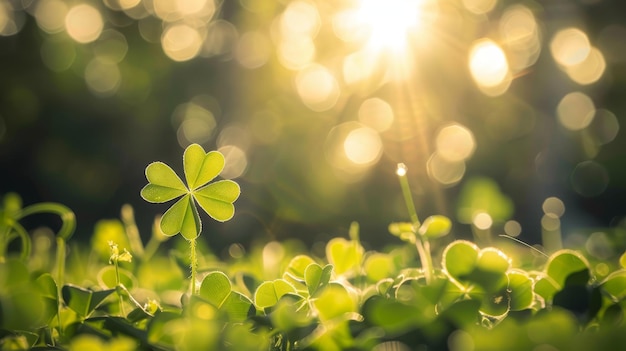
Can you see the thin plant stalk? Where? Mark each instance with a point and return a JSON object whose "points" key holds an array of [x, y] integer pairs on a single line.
{"points": [[118, 284], [132, 232], [193, 265], [422, 244]]}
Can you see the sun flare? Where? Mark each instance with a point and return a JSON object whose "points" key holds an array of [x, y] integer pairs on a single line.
{"points": [[389, 23]]}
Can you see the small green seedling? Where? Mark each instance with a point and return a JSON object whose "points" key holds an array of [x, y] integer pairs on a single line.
{"points": [[216, 199]]}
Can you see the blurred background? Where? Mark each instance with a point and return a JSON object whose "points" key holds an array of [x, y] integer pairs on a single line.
{"points": [[508, 114]]}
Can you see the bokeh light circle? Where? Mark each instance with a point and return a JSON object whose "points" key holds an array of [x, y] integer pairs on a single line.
{"points": [[376, 113], [570, 46], [84, 23], [576, 111], [317, 87], [181, 42], [455, 143]]}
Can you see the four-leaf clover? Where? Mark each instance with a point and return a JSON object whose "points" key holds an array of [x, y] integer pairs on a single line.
{"points": [[216, 199]]}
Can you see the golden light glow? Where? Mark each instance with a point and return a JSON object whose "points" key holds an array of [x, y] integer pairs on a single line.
{"points": [[197, 124], [253, 50], [181, 42], [221, 37], [84, 23], [576, 111], [588, 71], [297, 27], [479, 7], [300, 18], [128, 4], [363, 146], [550, 222], [376, 113], [11, 21], [605, 126], [50, 15], [317, 87], [519, 29], [102, 78], [389, 22], [358, 67], [174, 10], [296, 53], [352, 148], [553, 205], [512, 228], [444, 171], [111, 46], [236, 161], [401, 170], [482, 221], [455, 143], [489, 67], [570, 47]]}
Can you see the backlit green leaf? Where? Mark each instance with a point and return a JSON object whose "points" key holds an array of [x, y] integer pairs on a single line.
{"points": [[317, 277], [84, 301], [378, 266], [182, 218], [334, 302], [160, 329], [163, 184], [393, 316], [238, 307], [460, 258], [615, 285], [491, 267], [201, 167], [269, 292], [217, 198], [344, 255], [107, 278], [546, 287], [521, 290], [215, 288], [297, 266], [435, 227], [564, 263]]}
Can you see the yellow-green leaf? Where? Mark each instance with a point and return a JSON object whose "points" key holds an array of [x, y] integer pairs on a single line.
{"points": [[201, 167], [163, 184], [435, 227], [182, 218], [215, 288], [344, 255], [460, 258], [269, 292], [216, 199]]}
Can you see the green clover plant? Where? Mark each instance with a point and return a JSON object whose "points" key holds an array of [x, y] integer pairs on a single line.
{"points": [[216, 198]]}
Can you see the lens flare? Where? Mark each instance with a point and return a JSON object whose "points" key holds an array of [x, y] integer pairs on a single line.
{"points": [[489, 67], [389, 23]]}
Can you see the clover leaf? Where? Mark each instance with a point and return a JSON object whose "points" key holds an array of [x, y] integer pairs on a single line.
{"points": [[200, 167]]}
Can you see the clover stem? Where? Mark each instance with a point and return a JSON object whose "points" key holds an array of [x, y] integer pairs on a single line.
{"points": [[422, 244], [60, 276], [60, 261], [406, 192], [193, 265], [117, 284], [423, 249]]}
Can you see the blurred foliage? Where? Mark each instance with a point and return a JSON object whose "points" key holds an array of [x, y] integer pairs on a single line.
{"points": [[277, 298]]}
